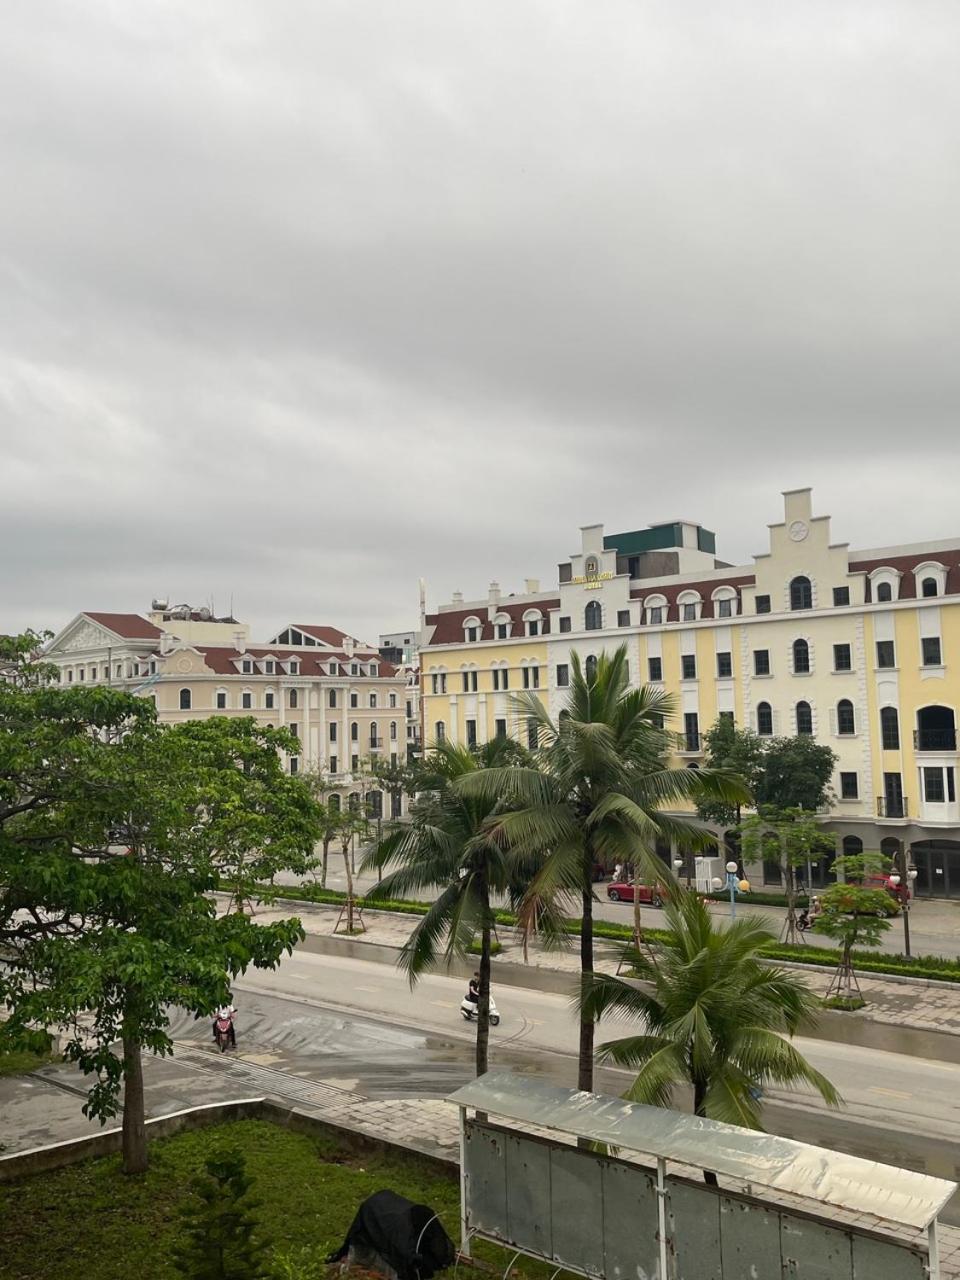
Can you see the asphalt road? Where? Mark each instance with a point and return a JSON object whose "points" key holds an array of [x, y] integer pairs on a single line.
{"points": [[934, 923], [358, 1025]]}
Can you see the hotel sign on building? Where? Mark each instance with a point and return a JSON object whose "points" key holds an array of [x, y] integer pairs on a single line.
{"points": [[856, 649]]}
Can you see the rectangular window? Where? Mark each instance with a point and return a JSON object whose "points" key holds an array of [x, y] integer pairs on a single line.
{"points": [[841, 596], [565, 624], [294, 729], [473, 681], [951, 788], [655, 666], [471, 733], [725, 608], [355, 760], [931, 651], [761, 662], [761, 604], [503, 629], [885, 654], [533, 628], [443, 682], [268, 700], [333, 733], [221, 701], [247, 667], [294, 764], [500, 728], [689, 613], [563, 675], [849, 786], [531, 677], [533, 736], [691, 731], [655, 615], [465, 677], [725, 715], [688, 667], [471, 634], [332, 698], [933, 786], [842, 660], [333, 764], [246, 701], [623, 617], [724, 665]]}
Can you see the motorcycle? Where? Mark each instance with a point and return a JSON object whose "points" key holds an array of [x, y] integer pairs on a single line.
{"points": [[222, 1033], [469, 1009]]}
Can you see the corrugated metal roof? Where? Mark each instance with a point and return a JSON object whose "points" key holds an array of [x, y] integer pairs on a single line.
{"points": [[860, 1186]]}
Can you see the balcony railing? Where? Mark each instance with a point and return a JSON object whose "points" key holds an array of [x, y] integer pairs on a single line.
{"points": [[892, 807], [689, 743], [935, 739]]}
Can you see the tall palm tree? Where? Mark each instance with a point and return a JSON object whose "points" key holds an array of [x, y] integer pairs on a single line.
{"points": [[448, 846], [596, 792], [714, 1017]]}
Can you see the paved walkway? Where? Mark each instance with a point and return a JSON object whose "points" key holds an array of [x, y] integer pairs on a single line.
{"points": [[916, 1005]]}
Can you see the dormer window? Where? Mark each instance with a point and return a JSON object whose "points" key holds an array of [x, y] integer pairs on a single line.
{"points": [[354, 668], [655, 610], [471, 630], [931, 579], [294, 667], [724, 602], [502, 626], [533, 622], [333, 668], [246, 666], [269, 667], [689, 605]]}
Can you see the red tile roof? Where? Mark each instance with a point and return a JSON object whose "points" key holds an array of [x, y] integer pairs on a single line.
{"points": [[449, 623], [906, 566], [704, 589], [129, 625], [223, 660]]}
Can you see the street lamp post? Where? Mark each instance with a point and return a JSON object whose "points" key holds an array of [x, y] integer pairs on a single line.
{"points": [[732, 886], [905, 896]]}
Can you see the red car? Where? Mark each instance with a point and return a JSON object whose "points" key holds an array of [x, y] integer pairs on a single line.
{"points": [[620, 891]]}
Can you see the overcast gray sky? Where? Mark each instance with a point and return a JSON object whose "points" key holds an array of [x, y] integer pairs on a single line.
{"points": [[301, 300]]}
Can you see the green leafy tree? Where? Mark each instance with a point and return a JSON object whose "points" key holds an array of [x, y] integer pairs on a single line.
{"points": [[397, 780], [447, 845], [714, 1016], [854, 915], [793, 839], [596, 792], [735, 751], [222, 1240], [795, 774], [351, 826], [114, 832]]}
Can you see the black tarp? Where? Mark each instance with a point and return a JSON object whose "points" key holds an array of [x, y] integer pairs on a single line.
{"points": [[406, 1235]]}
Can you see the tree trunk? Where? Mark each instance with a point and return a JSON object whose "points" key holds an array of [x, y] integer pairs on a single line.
{"points": [[483, 1007], [134, 1119], [587, 1025], [700, 1109], [791, 935], [323, 868]]}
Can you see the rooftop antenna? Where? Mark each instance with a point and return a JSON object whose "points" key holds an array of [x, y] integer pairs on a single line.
{"points": [[423, 602]]}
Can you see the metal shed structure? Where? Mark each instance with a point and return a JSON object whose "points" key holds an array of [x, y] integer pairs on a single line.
{"points": [[592, 1212]]}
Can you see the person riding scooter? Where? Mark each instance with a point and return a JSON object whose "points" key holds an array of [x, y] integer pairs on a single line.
{"points": [[473, 989], [225, 1013]]}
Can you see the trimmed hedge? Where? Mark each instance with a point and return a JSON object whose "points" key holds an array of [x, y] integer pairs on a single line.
{"points": [[937, 968]]}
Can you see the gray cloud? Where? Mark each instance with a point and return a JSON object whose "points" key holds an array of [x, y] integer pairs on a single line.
{"points": [[300, 302]]}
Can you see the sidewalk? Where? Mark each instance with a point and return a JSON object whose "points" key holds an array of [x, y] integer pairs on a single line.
{"points": [[903, 1004]]}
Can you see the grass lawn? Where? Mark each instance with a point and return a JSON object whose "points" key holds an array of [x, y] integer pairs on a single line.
{"points": [[89, 1222], [16, 1064]]}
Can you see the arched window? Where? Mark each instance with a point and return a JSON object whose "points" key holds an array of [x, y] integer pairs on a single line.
{"points": [[186, 700], [889, 729], [393, 730], [884, 592], [801, 657], [590, 667], [440, 731], [804, 720], [852, 846], [374, 734], [688, 606], [936, 729], [801, 593], [533, 622], [354, 731], [373, 699], [592, 616], [334, 803], [928, 587], [846, 723], [502, 625], [353, 802], [472, 629], [294, 699], [764, 719]]}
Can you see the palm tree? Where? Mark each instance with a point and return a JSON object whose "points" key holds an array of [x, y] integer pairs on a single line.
{"points": [[447, 846], [714, 1017], [596, 793]]}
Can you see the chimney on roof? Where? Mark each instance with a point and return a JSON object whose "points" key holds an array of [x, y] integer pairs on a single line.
{"points": [[239, 641], [458, 597], [166, 642], [494, 594], [531, 586], [348, 644]]}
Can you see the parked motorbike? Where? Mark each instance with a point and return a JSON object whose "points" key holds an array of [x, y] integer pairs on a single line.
{"points": [[469, 1009], [222, 1033]]}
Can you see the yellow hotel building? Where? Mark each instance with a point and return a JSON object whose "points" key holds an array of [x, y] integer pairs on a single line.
{"points": [[859, 649]]}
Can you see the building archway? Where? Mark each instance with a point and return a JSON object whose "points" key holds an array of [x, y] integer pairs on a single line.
{"points": [[936, 729]]}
